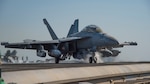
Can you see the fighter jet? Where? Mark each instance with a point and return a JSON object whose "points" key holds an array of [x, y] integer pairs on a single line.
{"points": [[105, 52], [76, 44]]}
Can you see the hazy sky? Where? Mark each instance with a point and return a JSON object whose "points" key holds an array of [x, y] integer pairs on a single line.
{"points": [[126, 20]]}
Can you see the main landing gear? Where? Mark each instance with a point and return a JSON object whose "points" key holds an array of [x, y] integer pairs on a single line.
{"points": [[57, 60]]}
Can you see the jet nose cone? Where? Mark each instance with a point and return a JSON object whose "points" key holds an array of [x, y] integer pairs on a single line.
{"points": [[116, 42], [112, 41]]}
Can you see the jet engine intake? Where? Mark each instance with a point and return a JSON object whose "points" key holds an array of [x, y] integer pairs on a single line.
{"points": [[115, 52], [106, 53]]}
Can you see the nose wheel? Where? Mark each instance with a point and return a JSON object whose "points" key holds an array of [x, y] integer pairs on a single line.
{"points": [[93, 58]]}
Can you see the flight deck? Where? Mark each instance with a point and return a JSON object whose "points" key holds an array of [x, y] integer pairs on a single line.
{"points": [[75, 73]]}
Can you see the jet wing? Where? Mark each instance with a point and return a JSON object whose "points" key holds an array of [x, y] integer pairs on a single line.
{"points": [[126, 44], [29, 45], [34, 44]]}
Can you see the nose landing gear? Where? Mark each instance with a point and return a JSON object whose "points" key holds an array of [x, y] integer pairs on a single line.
{"points": [[93, 58]]}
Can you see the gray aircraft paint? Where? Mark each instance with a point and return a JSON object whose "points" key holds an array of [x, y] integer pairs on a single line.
{"points": [[90, 38]]}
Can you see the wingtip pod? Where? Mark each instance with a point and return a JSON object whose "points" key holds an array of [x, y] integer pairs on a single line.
{"points": [[133, 43], [4, 43]]}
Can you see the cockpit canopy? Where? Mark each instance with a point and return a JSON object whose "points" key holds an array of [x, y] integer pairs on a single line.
{"points": [[92, 28]]}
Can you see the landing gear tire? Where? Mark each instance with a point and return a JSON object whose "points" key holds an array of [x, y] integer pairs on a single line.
{"points": [[95, 59], [90, 59], [57, 60]]}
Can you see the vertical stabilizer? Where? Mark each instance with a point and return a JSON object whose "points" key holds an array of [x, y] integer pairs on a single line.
{"points": [[52, 33], [73, 28]]}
